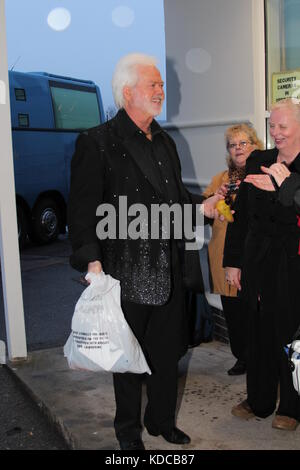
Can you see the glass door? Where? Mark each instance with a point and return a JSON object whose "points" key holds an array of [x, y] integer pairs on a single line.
{"points": [[282, 51]]}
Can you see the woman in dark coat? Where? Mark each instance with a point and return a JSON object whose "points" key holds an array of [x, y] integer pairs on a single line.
{"points": [[262, 259]]}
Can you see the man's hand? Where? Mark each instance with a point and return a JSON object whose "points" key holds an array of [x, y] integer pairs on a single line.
{"points": [[209, 206], [94, 267], [233, 277]]}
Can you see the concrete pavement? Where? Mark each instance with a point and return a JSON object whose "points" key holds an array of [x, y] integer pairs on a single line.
{"points": [[82, 404]]}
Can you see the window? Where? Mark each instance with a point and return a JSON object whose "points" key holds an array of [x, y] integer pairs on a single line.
{"points": [[283, 50], [20, 94], [75, 107], [23, 120]]}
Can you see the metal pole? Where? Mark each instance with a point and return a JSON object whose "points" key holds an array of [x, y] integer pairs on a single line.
{"points": [[9, 247]]}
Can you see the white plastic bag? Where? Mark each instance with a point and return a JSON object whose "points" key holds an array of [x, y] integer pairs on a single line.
{"points": [[293, 351], [101, 339]]}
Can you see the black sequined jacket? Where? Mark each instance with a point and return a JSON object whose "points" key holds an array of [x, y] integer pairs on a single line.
{"points": [[104, 167]]}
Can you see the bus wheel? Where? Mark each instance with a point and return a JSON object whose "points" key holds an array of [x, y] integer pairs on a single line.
{"points": [[22, 226], [45, 223]]}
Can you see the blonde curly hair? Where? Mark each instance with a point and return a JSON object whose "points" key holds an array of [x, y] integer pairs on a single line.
{"points": [[246, 129]]}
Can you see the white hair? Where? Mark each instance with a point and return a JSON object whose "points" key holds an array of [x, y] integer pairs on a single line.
{"points": [[126, 74], [288, 103]]}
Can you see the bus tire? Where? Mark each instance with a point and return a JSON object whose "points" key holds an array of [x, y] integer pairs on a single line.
{"points": [[45, 221], [23, 225]]}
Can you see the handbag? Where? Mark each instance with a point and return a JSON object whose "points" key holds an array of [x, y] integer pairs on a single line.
{"points": [[101, 339], [293, 351]]}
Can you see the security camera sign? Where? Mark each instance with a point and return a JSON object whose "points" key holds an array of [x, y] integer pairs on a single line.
{"points": [[285, 85]]}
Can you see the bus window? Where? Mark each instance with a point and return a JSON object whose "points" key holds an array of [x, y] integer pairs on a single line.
{"points": [[20, 94], [23, 120], [75, 107]]}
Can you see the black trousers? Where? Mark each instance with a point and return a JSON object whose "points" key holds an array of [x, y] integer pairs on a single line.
{"points": [[162, 334], [267, 368], [237, 325]]}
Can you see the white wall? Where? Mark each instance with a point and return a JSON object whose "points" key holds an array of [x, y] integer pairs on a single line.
{"points": [[210, 77], [9, 248]]}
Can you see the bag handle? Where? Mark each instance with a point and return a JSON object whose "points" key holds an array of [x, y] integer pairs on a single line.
{"points": [[291, 350]]}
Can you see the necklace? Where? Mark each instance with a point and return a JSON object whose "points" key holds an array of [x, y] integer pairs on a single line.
{"points": [[149, 134]]}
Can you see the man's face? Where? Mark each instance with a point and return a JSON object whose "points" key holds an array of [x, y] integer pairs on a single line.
{"points": [[147, 96]]}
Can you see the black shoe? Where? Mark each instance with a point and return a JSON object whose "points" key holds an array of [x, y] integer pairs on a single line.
{"points": [[239, 368], [175, 436], [137, 444]]}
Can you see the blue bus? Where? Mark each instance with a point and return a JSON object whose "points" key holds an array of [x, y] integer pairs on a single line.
{"points": [[47, 113]]}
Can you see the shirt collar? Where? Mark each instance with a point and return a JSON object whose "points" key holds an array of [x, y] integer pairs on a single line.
{"points": [[296, 164], [129, 129]]}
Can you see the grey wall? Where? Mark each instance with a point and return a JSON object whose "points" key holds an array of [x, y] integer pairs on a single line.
{"points": [[9, 247], [209, 78]]}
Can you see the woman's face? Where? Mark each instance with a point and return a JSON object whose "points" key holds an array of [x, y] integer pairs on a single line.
{"points": [[239, 148], [285, 129]]}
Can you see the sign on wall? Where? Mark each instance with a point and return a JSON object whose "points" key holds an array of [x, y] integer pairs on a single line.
{"points": [[285, 85]]}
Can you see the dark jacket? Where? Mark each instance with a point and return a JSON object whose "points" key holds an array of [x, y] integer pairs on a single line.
{"points": [[263, 241], [107, 164], [289, 192]]}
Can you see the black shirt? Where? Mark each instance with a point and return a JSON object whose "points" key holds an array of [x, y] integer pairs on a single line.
{"points": [[156, 152]]}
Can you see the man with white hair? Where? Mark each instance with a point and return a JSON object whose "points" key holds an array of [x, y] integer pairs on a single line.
{"points": [[132, 156]]}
